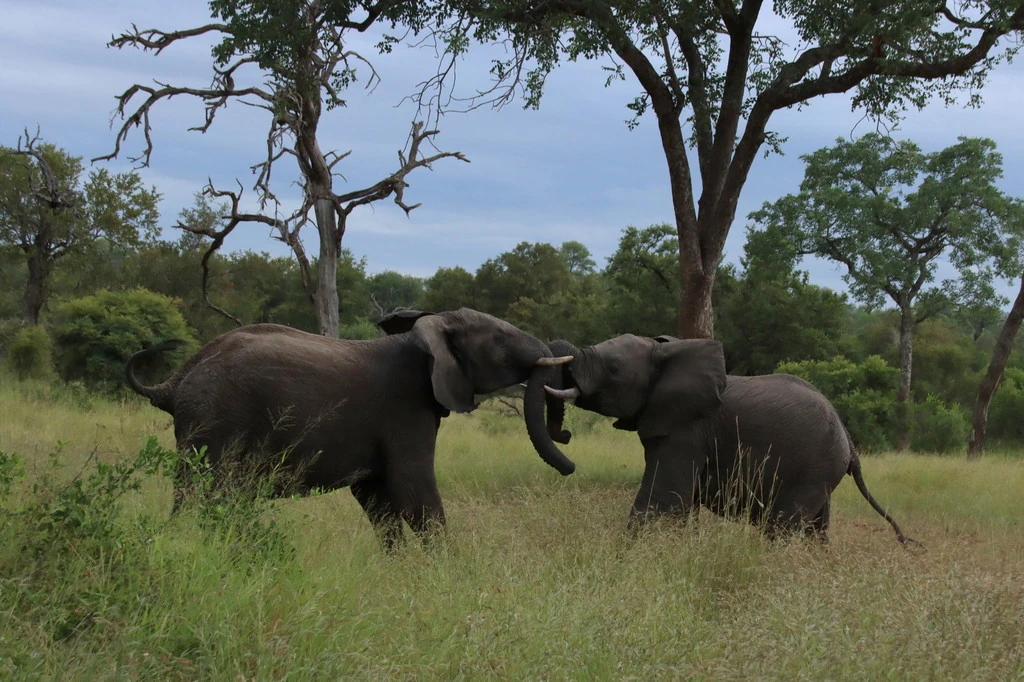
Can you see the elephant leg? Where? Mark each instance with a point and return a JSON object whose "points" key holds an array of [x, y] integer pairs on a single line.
{"points": [[818, 527], [373, 496], [419, 503], [669, 485], [411, 480]]}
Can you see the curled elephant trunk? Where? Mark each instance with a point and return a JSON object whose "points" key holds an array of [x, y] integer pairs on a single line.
{"points": [[533, 408], [556, 392]]}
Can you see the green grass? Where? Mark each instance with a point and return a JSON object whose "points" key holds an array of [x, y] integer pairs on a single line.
{"points": [[534, 579]]}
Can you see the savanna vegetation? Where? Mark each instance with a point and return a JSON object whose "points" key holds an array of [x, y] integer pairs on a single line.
{"points": [[535, 577]]}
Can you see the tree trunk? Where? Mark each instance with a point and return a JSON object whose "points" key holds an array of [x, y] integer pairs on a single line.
{"points": [[39, 267], [906, 367], [695, 318], [987, 390], [326, 298]]}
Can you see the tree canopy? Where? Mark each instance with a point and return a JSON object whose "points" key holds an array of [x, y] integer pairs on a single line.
{"points": [[292, 59], [713, 74], [891, 214], [48, 210]]}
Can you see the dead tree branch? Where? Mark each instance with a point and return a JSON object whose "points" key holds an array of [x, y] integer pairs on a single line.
{"points": [[44, 188], [395, 183]]}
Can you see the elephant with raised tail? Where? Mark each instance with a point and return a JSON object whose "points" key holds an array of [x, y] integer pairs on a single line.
{"points": [[362, 414], [771, 448]]}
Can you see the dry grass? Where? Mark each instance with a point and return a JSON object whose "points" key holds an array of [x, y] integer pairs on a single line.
{"points": [[535, 577]]}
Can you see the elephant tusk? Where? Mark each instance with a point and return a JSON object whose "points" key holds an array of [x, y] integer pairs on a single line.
{"points": [[564, 394], [549, 362]]}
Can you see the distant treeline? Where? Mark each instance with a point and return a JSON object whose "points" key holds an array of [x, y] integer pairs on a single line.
{"points": [[767, 316]]}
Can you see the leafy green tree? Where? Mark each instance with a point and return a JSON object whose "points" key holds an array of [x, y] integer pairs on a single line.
{"points": [[577, 258], [714, 73], [389, 290], [890, 213], [48, 211], [773, 315], [450, 289], [294, 59], [534, 271], [644, 282], [95, 335]]}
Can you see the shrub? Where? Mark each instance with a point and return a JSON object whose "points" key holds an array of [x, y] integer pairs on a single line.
{"points": [[96, 335], [29, 353], [359, 330], [1004, 414], [864, 395], [938, 427]]}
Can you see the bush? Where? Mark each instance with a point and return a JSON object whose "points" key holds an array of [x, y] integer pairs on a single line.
{"points": [[96, 335], [937, 427], [1004, 414], [29, 353], [864, 395], [359, 330]]}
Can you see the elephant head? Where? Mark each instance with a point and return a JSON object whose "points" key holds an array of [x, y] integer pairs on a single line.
{"points": [[475, 353], [649, 384]]}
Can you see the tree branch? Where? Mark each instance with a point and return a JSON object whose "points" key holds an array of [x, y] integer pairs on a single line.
{"points": [[49, 192], [395, 183], [214, 99]]}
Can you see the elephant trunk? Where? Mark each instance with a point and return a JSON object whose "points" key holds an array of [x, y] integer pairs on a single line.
{"points": [[533, 408], [555, 405]]}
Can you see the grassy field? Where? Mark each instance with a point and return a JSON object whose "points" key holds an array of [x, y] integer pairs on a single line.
{"points": [[535, 578]]}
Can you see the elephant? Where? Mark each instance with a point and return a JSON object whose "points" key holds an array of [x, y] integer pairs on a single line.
{"points": [[769, 448], [362, 414]]}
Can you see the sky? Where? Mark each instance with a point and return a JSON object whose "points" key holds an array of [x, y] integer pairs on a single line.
{"points": [[571, 170]]}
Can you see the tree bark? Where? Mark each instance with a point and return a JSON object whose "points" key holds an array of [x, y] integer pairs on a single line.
{"points": [[695, 316], [906, 366], [39, 267], [326, 298], [994, 375]]}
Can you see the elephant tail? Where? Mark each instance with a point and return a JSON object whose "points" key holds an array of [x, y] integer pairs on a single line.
{"points": [[858, 477], [161, 395]]}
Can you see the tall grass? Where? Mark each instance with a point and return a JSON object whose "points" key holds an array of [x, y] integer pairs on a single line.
{"points": [[534, 578]]}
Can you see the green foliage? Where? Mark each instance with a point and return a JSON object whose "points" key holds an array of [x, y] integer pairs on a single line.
{"points": [[76, 564], [29, 353], [888, 212], [1005, 422], [863, 393], [937, 427], [773, 315], [534, 271], [96, 335], [389, 290], [361, 329], [75, 216], [449, 289], [644, 277]]}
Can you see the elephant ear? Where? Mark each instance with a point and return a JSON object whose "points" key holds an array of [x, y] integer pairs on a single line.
{"points": [[452, 387], [687, 385], [400, 320]]}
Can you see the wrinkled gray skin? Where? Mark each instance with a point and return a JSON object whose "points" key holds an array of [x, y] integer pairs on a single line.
{"points": [[362, 414], [771, 448]]}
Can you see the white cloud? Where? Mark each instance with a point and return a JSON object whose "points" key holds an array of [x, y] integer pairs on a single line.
{"points": [[569, 171]]}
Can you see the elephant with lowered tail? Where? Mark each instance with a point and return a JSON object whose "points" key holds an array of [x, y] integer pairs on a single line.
{"points": [[770, 448], [362, 414]]}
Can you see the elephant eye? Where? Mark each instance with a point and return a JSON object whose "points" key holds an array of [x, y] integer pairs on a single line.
{"points": [[613, 367]]}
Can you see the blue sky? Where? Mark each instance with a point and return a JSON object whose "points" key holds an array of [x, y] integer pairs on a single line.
{"points": [[571, 170]]}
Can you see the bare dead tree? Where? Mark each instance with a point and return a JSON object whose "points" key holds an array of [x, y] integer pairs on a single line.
{"points": [[294, 92]]}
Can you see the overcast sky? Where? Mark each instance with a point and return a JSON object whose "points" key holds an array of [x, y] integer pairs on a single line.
{"points": [[570, 171]]}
